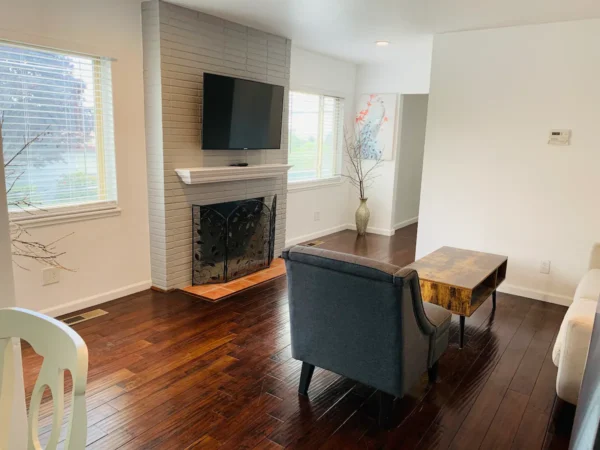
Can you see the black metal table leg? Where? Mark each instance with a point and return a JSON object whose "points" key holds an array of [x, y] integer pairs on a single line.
{"points": [[494, 301], [461, 332]]}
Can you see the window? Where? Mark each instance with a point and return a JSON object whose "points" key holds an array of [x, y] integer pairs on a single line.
{"points": [[62, 104], [315, 137]]}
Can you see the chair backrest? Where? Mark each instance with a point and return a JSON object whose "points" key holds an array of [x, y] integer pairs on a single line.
{"points": [[356, 317], [62, 349]]}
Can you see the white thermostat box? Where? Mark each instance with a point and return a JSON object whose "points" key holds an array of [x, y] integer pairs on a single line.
{"points": [[560, 137]]}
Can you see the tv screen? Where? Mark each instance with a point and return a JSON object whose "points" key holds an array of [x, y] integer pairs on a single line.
{"points": [[240, 114]]}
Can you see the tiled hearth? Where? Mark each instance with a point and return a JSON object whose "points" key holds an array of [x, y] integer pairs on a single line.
{"points": [[216, 292]]}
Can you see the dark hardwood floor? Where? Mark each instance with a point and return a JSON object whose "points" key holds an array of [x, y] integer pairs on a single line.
{"points": [[169, 371]]}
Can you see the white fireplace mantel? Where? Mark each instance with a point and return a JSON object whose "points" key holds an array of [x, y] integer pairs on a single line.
{"points": [[203, 175]]}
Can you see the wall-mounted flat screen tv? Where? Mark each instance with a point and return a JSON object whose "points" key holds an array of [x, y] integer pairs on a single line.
{"points": [[240, 114]]}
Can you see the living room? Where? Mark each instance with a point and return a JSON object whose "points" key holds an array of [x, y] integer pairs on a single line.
{"points": [[486, 148]]}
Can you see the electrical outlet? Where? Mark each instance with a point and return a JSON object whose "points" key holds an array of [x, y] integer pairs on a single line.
{"points": [[50, 275], [545, 267], [317, 216]]}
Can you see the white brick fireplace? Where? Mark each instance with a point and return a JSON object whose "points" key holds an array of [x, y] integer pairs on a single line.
{"points": [[179, 46]]}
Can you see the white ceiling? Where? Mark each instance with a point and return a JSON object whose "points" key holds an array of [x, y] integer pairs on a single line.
{"points": [[348, 29]]}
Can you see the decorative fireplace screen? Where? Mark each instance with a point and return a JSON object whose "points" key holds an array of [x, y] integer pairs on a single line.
{"points": [[232, 239]]}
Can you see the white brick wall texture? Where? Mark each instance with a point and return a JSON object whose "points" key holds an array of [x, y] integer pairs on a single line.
{"points": [[179, 46]]}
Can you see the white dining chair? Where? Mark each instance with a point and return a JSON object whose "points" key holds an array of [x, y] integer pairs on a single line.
{"points": [[62, 349]]}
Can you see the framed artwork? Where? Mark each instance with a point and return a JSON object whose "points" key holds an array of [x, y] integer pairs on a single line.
{"points": [[376, 124]]}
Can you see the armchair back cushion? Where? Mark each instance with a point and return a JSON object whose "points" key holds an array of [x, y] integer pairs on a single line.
{"points": [[357, 317]]}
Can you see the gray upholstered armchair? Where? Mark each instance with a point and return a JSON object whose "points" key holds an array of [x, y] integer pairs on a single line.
{"points": [[362, 319]]}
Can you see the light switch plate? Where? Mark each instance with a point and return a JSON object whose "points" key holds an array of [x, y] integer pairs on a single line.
{"points": [[545, 267], [50, 275]]}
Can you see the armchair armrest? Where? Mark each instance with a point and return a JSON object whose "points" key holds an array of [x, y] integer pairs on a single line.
{"points": [[595, 257], [433, 320], [409, 276]]}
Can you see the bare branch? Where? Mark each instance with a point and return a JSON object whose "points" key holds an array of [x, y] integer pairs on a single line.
{"points": [[355, 148], [22, 244], [13, 183], [25, 147], [20, 266]]}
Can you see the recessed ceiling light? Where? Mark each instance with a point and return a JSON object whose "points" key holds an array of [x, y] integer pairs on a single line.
{"points": [[382, 43]]}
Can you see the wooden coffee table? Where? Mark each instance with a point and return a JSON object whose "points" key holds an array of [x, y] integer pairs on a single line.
{"points": [[460, 280]]}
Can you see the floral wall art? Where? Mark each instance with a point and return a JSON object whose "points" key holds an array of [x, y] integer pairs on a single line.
{"points": [[376, 125]]}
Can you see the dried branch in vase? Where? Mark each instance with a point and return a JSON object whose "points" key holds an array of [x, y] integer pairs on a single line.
{"points": [[356, 146], [364, 155], [23, 245]]}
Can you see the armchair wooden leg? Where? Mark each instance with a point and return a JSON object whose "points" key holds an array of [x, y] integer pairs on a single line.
{"points": [[432, 372], [305, 377], [386, 406]]}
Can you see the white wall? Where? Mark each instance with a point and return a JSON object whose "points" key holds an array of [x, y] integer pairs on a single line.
{"points": [[312, 72], [409, 159], [110, 255], [407, 73], [490, 180]]}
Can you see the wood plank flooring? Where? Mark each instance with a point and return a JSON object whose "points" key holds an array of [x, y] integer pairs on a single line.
{"points": [[169, 371]]}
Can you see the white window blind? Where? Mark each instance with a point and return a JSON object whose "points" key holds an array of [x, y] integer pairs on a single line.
{"points": [[63, 102], [315, 136]]}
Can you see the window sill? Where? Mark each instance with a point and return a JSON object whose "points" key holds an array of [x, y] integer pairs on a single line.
{"points": [[294, 186], [64, 215]]}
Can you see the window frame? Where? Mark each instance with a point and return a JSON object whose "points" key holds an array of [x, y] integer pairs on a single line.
{"points": [[51, 215], [334, 180]]}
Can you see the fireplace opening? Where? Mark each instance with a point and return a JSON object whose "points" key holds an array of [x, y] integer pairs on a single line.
{"points": [[232, 239]]}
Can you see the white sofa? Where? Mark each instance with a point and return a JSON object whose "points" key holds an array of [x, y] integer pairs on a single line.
{"points": [[573, 340]]}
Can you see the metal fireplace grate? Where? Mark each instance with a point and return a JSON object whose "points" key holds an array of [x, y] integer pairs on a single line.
{"points": [[232, 239]]}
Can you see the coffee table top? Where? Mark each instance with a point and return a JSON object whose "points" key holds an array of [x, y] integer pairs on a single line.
{"points": [[457, 267]]}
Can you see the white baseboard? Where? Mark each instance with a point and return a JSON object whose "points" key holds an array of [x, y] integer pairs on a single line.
{"points": [[548, 297], [381, 231], [315, 235], [94, 300], [406, 223], [326, 231]]}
